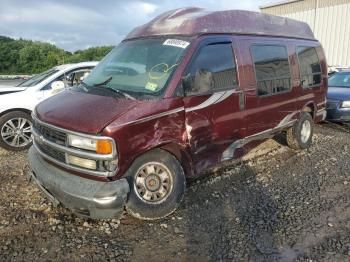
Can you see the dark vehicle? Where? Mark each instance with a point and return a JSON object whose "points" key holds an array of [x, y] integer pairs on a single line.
{"points": [[338, 97], [183, 93]]}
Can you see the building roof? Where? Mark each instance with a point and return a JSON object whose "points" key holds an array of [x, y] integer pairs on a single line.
{"points": [[195, 21], [278, 3]]}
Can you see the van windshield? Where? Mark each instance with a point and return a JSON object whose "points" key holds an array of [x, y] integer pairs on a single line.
{"points": [[138, 69]]}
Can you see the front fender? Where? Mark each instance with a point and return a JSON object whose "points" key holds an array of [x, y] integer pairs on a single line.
{"points": [[23, 101]]}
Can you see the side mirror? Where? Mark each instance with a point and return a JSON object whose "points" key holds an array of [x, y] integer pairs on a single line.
{"points": [[68, 77], [57, 86]]}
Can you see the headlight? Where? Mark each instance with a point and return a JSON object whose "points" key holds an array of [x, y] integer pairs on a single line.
{"points": [[101, 146], [345, 104], [82, 142]]}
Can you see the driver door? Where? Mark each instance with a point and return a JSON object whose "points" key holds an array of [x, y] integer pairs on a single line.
{"points": [[214, 114]]}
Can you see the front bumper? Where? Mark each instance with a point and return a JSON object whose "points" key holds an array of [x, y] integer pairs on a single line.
{"points": [[88, 198], [339, 114]]}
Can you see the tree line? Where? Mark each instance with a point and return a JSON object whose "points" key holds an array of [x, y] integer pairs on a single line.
{"points": [[32, 57]]}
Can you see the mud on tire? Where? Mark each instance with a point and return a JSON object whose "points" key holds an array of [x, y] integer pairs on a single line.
{"points": [[299, 136], [157, 185]]}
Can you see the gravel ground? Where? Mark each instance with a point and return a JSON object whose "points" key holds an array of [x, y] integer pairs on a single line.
{"points": [[275, 205]]}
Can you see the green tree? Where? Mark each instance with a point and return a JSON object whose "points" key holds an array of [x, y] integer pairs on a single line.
{"points": [[90, 54], [29, 57]]}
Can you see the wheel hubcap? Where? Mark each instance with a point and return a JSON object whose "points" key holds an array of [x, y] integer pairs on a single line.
{"points": [[305, 131], [153, 182], [17, 132]]}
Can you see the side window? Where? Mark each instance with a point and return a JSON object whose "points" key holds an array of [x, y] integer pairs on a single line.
{"points": [[310, 68], [76, 76], [272, 70], [70, 78], [213, 69]]}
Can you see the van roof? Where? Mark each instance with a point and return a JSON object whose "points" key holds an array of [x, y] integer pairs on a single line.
{"points": [[195, 21]]}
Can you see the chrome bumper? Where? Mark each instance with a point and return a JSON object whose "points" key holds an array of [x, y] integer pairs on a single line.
{"points": [[84, 197]]}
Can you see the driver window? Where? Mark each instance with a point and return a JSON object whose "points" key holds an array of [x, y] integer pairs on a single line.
{"points": [[212, 70], [75, 77]]}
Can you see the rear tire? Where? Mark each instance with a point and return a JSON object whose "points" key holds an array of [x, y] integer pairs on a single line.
{"points": [[299, 136], [157, 185], [15, 131]]}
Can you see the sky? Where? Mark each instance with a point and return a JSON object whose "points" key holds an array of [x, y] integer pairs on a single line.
{"points": [[79, 24]]}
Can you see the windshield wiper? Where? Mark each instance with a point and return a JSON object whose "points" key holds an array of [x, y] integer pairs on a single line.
{"points": [[105, 86], [116, 91], [85, 86], [125, 95], [109, 79]]}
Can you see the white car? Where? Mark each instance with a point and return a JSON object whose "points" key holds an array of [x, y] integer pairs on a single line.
{"points": [[17, 102]]}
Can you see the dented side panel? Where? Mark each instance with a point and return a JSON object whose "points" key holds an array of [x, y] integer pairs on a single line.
{"points": [[213, 127], [162, 123]]}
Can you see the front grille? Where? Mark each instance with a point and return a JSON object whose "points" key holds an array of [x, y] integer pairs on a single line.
{"points": [[52, 143], [60, 156], [332, 104], [50, 134]]}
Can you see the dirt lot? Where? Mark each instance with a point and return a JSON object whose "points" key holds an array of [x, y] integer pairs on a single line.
{"points": [[276, 205]]}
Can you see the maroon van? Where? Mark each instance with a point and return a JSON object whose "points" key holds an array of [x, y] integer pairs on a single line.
{"points": [[180, 94]]}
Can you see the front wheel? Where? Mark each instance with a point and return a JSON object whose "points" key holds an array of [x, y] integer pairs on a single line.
{"points": [[157, 185], [15, 131], [299, 136]]}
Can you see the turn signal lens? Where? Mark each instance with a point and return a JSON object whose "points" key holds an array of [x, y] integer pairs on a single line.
{"points": [[82, 162], [104, 147]]}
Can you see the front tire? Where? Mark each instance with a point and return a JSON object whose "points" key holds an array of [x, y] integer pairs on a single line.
{"points": [[15, 131], [299, 136], [157, 185]]}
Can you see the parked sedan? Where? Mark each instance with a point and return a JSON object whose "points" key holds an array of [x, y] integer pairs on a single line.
{"points": [[17, 102], [338, 97]]}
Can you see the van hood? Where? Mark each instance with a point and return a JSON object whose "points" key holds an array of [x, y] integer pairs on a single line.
{"points": [[10, 89], [338, 93], [82, 112]]}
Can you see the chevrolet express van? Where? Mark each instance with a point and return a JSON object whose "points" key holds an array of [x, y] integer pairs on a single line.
{"points": [[180, 94]]}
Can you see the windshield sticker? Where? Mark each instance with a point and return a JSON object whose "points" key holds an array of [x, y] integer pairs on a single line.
{"points": [[159, 71], [151, 86], [176, 43]]}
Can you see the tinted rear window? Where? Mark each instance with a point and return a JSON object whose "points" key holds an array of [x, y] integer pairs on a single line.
{"points": [[271, 69], [310, 68]]}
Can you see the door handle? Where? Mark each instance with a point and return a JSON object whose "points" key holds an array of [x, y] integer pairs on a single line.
{"points": [[241, 96]]}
